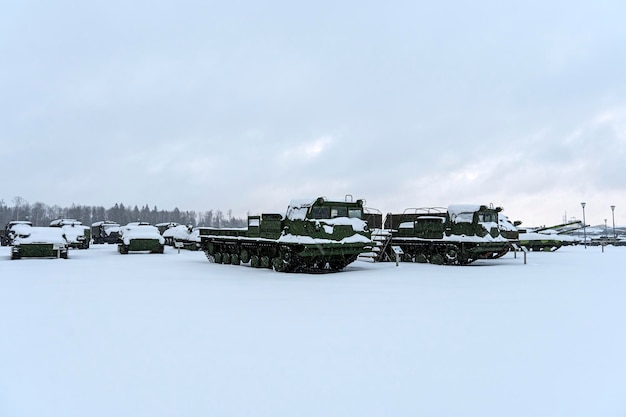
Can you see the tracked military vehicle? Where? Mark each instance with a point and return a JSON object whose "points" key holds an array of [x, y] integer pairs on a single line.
{"points": [[457, 235], [9, 232], [77, 235], [315, 235], [105, 232], [38, 242], [140, 237]]}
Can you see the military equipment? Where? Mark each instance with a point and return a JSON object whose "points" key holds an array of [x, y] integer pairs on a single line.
{"points": [[40, 242], [140, 237], [105, 232], [182, 236], [457, 235], [315, 235], [9, 232], [77, 234]]}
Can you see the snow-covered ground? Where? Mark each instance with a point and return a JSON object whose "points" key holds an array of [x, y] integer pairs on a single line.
{"points": [[104, 334]]}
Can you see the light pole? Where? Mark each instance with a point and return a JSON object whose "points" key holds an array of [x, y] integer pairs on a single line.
{"points": [[613, 215], [584, 225]]}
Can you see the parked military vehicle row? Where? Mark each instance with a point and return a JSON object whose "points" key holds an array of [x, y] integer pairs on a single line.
{"points": [[322, 235]]}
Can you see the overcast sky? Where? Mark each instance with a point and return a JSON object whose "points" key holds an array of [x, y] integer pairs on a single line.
{"points": [[245, 105]]}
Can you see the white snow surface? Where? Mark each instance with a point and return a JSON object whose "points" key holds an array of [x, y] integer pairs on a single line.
{"points": [[32, 234], [72, 232], [180, 232], [102, 334], [358, 225], [308, 240]]}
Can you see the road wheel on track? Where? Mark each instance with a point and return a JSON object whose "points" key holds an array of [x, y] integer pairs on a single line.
{"points": [[436, 259]]}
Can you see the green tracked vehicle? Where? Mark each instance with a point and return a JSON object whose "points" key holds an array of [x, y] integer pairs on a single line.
{"points": [[105, 231], [78, 235], [458, 235], [9, 232], [314, 236], [38, 242], [140, 237]]}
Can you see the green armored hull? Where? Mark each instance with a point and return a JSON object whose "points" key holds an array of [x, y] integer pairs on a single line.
{"points": [[39, 250], [137, 245], [314, 236], [38, 242], [140, 237]]}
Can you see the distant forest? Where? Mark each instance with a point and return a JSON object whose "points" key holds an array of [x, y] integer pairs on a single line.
{"points": [[41, 214]]}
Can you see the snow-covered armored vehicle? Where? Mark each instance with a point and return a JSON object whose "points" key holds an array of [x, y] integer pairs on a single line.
{"points": [[550, 238], [316, 235], [457, 235], [38, 242], [182, 236], [105, 231], [6, 239], [164, 226], [77, 234], [140, 237]]}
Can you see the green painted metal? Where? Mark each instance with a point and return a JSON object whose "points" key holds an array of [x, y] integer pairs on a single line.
{"points": [[441, 236], [314, 236]]}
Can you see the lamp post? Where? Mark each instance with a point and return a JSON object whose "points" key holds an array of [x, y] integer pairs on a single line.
{"points": [[613, 215], [584, 225]]}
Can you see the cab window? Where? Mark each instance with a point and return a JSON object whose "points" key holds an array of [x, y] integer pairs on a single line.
{"points": [[338, 212]]}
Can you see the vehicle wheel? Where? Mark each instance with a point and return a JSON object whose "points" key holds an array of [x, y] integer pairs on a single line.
{"points": [[421, 258], [244, 256], [436, 259], [234, 259], [255, 262], [278, 264]]}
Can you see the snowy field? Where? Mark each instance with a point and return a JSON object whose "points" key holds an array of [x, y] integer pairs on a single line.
{"points": [[104, 334]]}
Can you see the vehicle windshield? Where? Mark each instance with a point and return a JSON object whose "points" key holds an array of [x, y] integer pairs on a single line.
{"points": [[325, 212], [488, 217]]}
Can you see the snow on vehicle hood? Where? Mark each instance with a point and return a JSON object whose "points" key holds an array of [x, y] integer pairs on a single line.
{"points": [[130, 232], [33, 234]]}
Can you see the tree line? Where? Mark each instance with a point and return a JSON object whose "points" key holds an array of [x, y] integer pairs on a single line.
{"points": [[41, 214]]}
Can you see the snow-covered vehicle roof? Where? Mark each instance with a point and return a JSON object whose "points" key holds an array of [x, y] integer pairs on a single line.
{"points": [[141, 231], [65, 222], [299, 207], [105, 223], [32, 234], [177, 232]]}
